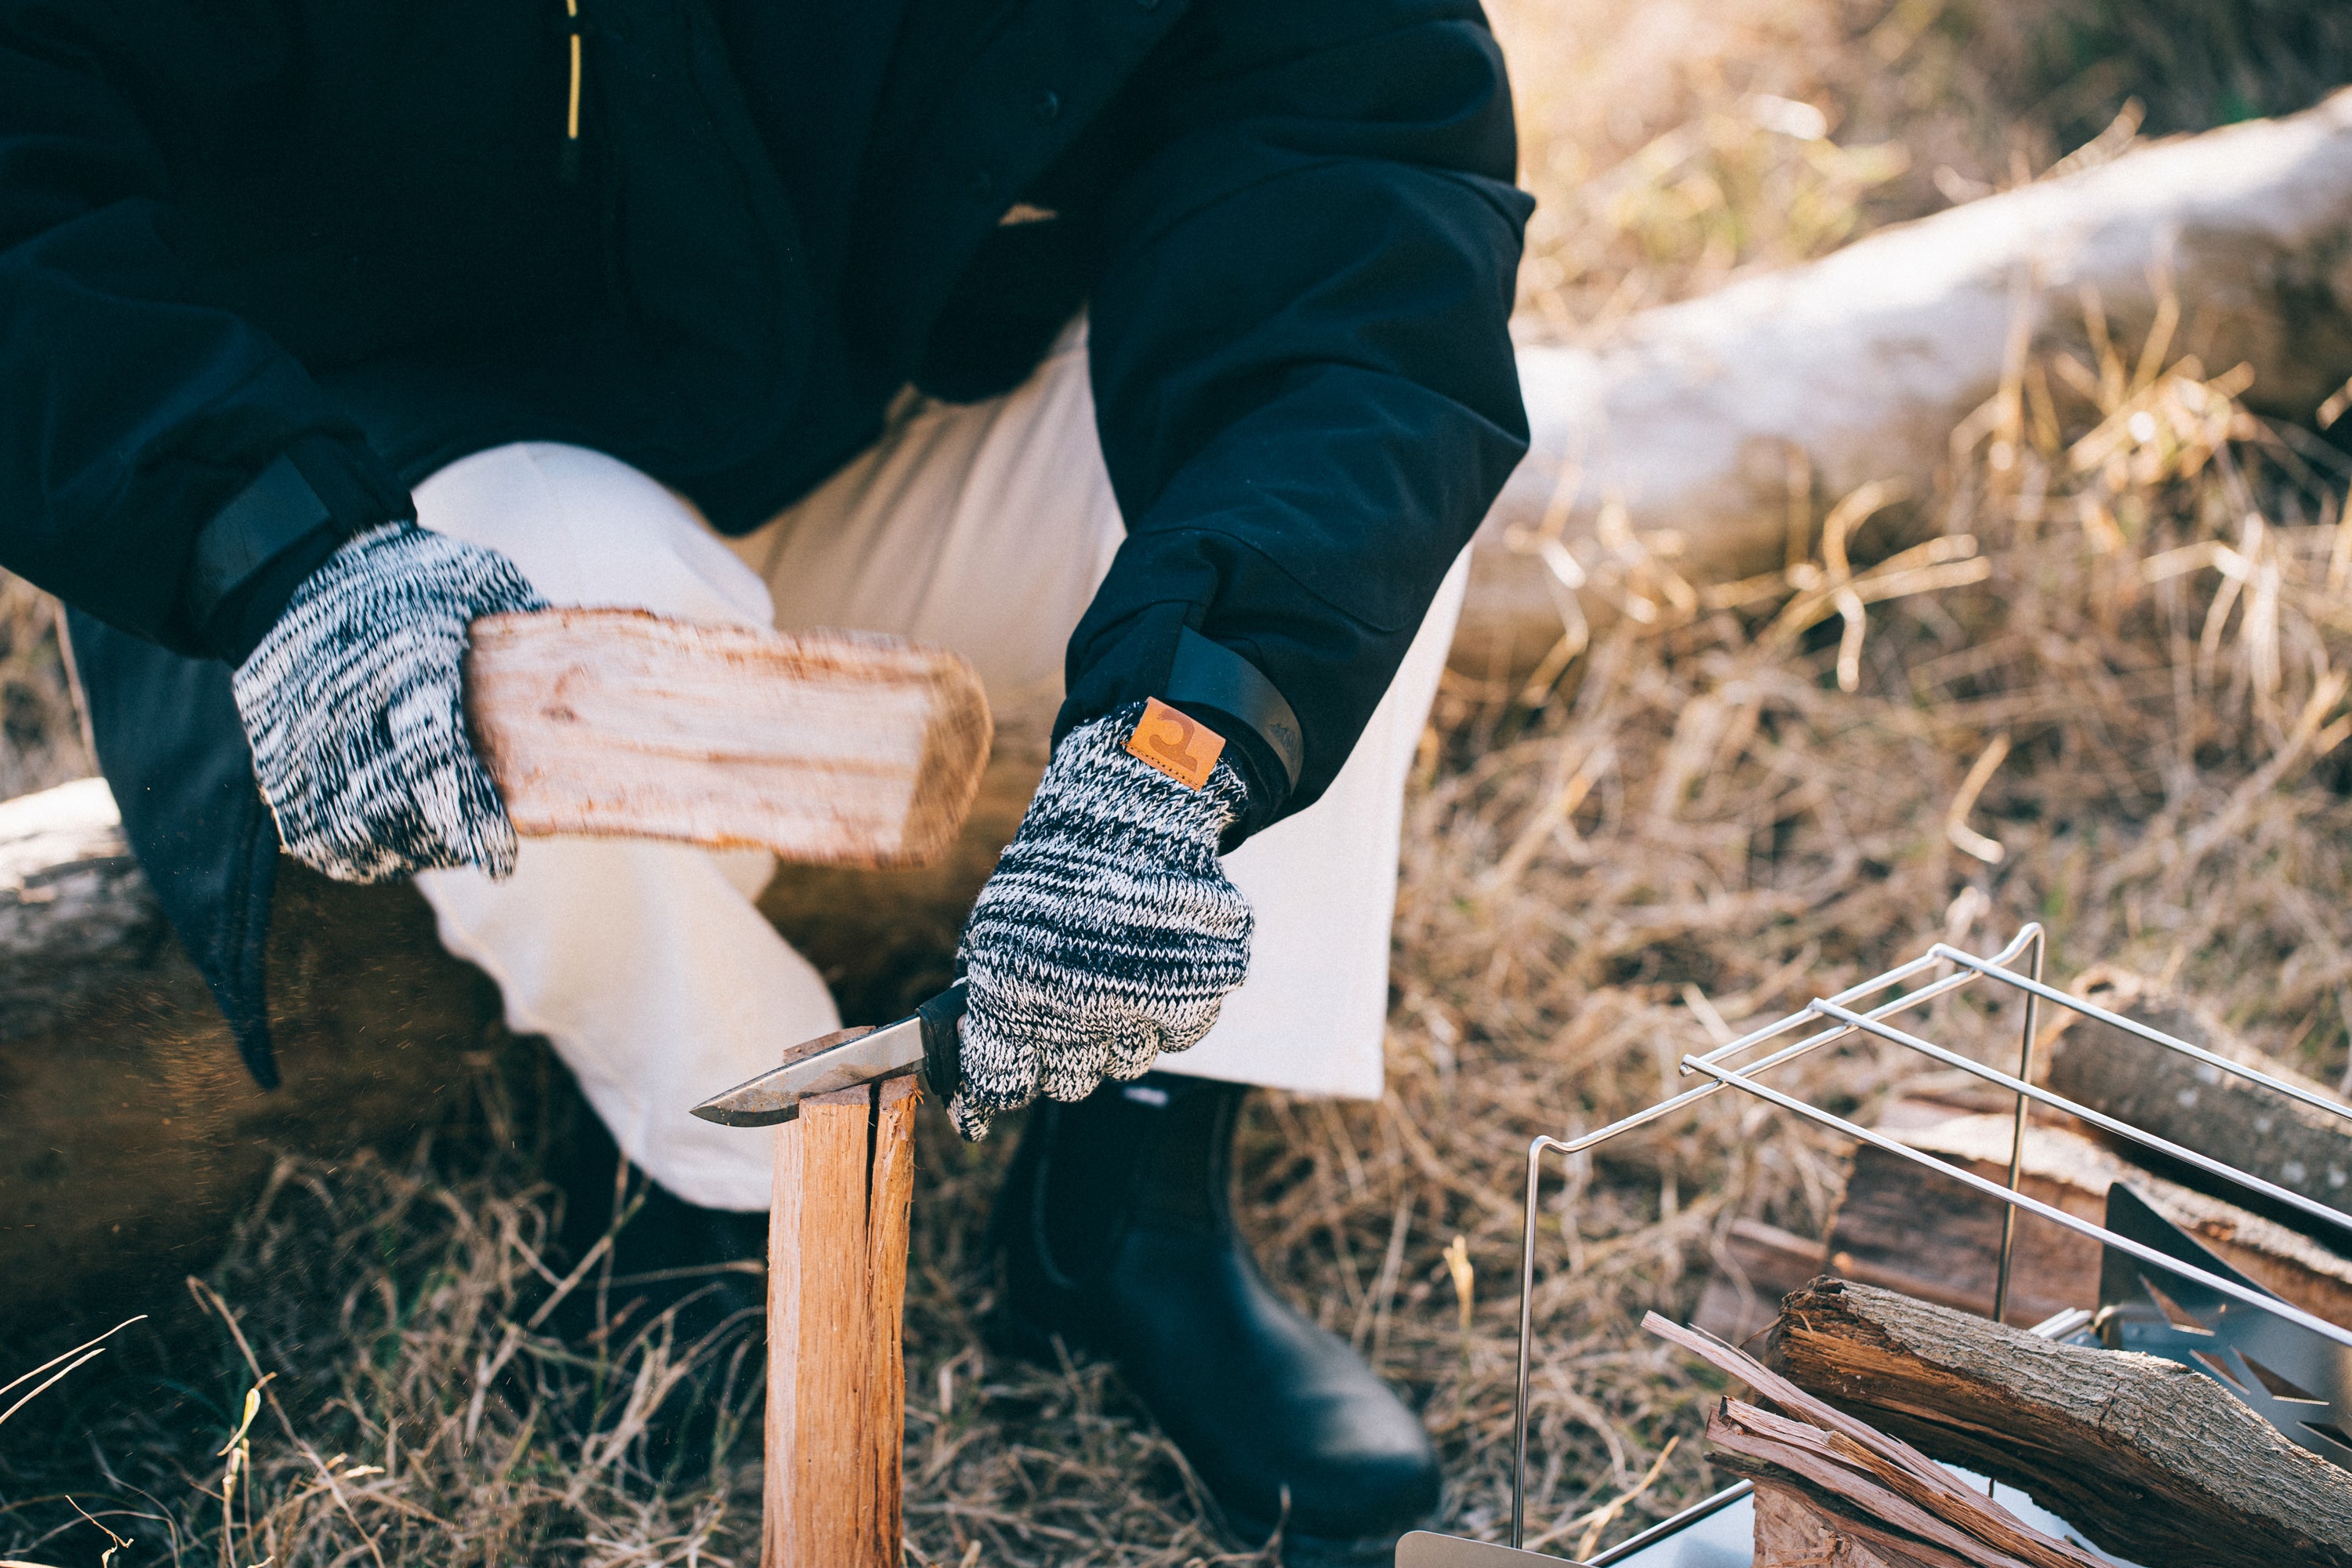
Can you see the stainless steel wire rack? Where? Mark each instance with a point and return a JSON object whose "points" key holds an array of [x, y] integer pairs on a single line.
{"points": [[2234, 1303]]}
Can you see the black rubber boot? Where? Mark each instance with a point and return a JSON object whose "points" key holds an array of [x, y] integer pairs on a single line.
{"points": [[1115, 1231]]}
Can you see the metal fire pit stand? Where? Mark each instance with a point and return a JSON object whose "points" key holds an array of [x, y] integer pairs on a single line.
{"points": [[2018, 967]]}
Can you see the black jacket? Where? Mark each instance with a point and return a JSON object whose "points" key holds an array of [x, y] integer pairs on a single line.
{"points": [[266, 263]]}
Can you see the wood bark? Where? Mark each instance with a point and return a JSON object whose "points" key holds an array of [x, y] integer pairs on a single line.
{"points": [[134, 1135], [76, 913], [1662, 456], [836, 1290], [2300, 1148], [1901, 1225], [828, 748], [2146, 1459]]}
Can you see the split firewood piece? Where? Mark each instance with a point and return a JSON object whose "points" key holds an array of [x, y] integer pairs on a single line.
{"points": [[2146, 1459], [1844, 1491], [2299, 1147], [1901, 1225], [829, 747], [1878, 1461], [1796, 1529], [836, 1292]]}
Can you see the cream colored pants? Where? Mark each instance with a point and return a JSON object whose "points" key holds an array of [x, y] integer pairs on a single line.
{"points": [[983, 527]]}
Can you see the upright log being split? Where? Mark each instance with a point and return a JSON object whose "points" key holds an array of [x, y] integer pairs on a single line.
{"points": [[837, 1291]]}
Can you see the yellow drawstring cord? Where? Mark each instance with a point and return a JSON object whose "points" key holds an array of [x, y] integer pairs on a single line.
{"points": [[572, 113], [571, 107]]}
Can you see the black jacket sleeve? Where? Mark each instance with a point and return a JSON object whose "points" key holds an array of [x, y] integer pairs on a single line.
{"points": [[1303, 371], [132, 412]]}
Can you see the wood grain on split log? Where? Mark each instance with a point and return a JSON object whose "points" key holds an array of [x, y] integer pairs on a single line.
{"points": [[828, 748], [819, 1492], [2300, 1148], [2146, 1459], [1793, 1530], [1856, 1494], [836, 1294], [1669, 445]]}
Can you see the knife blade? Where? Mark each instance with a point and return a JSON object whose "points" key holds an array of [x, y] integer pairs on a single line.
{"points": [[924, 1041]]}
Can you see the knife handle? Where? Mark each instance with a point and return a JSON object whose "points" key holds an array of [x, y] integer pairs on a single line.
{"points": [[942, 1057]]}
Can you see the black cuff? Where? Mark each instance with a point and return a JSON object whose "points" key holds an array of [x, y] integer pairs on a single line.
{"points": [[1232, 696], [256, 550], [1155, 654]]}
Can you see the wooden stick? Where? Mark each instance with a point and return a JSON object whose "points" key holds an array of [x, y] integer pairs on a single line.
{"points": [[828, 748], [1740, 1436], [836, 1290], [819, 1313]]}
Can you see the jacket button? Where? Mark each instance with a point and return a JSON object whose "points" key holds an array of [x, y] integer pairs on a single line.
{"points": [[1049, 105], [980, 182]]}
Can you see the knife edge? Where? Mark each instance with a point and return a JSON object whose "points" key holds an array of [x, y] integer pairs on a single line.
{"points": [[847, 1058]]}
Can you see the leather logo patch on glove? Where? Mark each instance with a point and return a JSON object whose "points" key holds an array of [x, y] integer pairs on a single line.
{"points": [[1178, 745]]}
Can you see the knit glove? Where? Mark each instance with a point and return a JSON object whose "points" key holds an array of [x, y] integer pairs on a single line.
{"points": [[1108, 933], [354, 708]]}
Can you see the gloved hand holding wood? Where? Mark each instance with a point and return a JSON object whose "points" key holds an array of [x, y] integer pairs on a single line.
{"points": [[1109, 932], [418, 704], [354, 705]]}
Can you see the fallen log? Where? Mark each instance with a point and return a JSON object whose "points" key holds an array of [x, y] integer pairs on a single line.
{"points": [[1902, 1226], [1664, 455], [134, 1136], [76, 913], [2300, 1148], [2146, 1459]]}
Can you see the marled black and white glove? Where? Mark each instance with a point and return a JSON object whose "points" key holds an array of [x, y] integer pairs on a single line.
{"points": [[1108, 933], [354, 705]]}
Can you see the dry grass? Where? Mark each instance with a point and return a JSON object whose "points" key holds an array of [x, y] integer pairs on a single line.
{"points": [[40, 739], [1674, 144], [1761, 793], [1705, 823]]}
